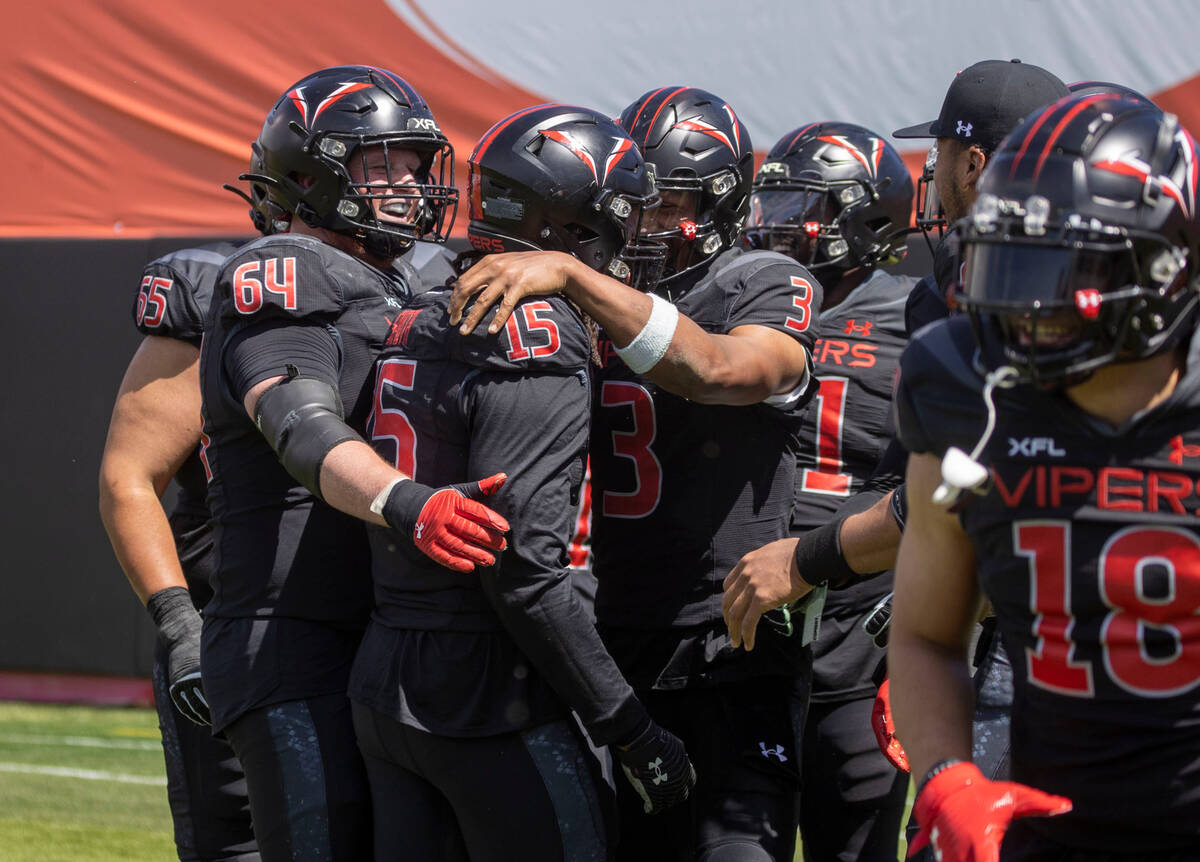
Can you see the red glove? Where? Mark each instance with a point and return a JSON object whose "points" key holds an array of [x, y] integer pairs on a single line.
{"points": [[885, 728], [965, 815], [447, 524]]}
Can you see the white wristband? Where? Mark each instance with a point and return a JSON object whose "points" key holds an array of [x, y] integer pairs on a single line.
{"points": [[650, 345], [381, 498]]}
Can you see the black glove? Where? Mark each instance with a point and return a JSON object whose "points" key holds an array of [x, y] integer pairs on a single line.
{"points": [[449, 525], [179, 626], [658, 767]]}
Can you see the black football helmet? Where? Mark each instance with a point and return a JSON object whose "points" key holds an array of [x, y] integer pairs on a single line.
{"points": [[833, 196], [692, 141], [1091, 88], [325, 122], [563, 178], [1082, 246]]}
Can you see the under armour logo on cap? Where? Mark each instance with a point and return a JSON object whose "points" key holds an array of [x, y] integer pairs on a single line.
{"points": [[963, 129]]}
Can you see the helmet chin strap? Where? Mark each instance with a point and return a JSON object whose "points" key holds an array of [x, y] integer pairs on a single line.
{"points": [[960, 471]]}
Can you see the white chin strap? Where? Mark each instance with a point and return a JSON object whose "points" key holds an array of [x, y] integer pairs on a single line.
{"points": [[960, 471]]}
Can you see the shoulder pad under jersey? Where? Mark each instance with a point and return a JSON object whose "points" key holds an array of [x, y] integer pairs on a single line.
{"points": [[757, 287], [544, 334], [176, 289], [433, 262], [939, 397], [295, 275]]}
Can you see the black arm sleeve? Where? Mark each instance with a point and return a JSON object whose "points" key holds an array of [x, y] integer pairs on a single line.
{"points": [[266, 349], [534, 428]]}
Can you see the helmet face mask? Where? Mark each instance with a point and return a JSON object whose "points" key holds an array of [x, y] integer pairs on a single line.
{"points": [[564, 178], [1084, 253], [317, 141], [833, 196], [798, 221]]}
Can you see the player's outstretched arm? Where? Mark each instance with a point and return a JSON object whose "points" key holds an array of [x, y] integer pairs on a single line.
{"points": [[963, 814], [155, 425], [747, 366], [301, 419]]}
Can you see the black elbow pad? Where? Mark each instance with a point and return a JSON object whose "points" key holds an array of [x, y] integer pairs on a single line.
{"points": [[301, 417]]}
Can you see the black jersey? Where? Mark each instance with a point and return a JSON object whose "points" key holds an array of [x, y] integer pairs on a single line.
{"points": [[842, 437], [510, 646], [681, 490], [281, 552], [1088, 545], [173, 299]]}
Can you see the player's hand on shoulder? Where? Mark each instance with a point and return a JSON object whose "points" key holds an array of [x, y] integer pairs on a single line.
{"points": [[964, 815], [658, 767], [503, 280], [178, 623], [449, 525], [761, 581]]}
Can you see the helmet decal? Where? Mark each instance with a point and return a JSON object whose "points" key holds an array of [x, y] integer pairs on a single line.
{"points": [[737, 131], [576, 148], [871, 162], [621, 146], [706, 128]]}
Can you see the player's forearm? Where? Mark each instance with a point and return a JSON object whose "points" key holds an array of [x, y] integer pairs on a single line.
{"points": [[713, 369], [870, 539], [932, 699], [539, 608], [352, 476], [140, 535]]}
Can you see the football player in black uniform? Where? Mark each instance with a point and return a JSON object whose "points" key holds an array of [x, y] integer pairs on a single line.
{"points": [[463, 687], [154, 436], [698, 401], [355, 158], [838, 198], [1072, 382]]}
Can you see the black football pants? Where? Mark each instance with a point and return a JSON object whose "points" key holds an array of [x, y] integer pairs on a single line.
{"points": [[206, 788], [533, 796], [852, 802], [308, 788], [741, 739]]}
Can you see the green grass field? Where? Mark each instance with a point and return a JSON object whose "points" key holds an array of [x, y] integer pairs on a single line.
{"points": [[82, 783], [85, 783]]}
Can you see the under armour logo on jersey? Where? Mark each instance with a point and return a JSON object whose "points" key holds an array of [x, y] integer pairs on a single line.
{"points": [[863, 329], [1181, 450], [870, 161], [659, 775], [963, 129], [777, 752], [1031, 447]]}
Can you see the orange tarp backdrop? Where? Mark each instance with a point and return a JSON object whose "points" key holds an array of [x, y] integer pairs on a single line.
{"points": [[125, 117]]}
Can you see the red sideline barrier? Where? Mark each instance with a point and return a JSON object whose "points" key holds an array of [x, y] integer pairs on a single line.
{"points": [[76, 688]]}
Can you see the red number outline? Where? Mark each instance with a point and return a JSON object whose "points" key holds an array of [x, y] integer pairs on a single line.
{"points": [[827, 477], [634, 445], [391, 423]]}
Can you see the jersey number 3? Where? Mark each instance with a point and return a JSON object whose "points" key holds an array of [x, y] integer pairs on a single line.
{"points": [[635, 446], [1123, 570]]}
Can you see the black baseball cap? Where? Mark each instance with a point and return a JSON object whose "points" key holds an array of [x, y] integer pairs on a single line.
{"points": [[986, 101]]}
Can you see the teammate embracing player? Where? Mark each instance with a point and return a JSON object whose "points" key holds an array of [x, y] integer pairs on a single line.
{"points": [[695, 411], [1063, 408]]}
